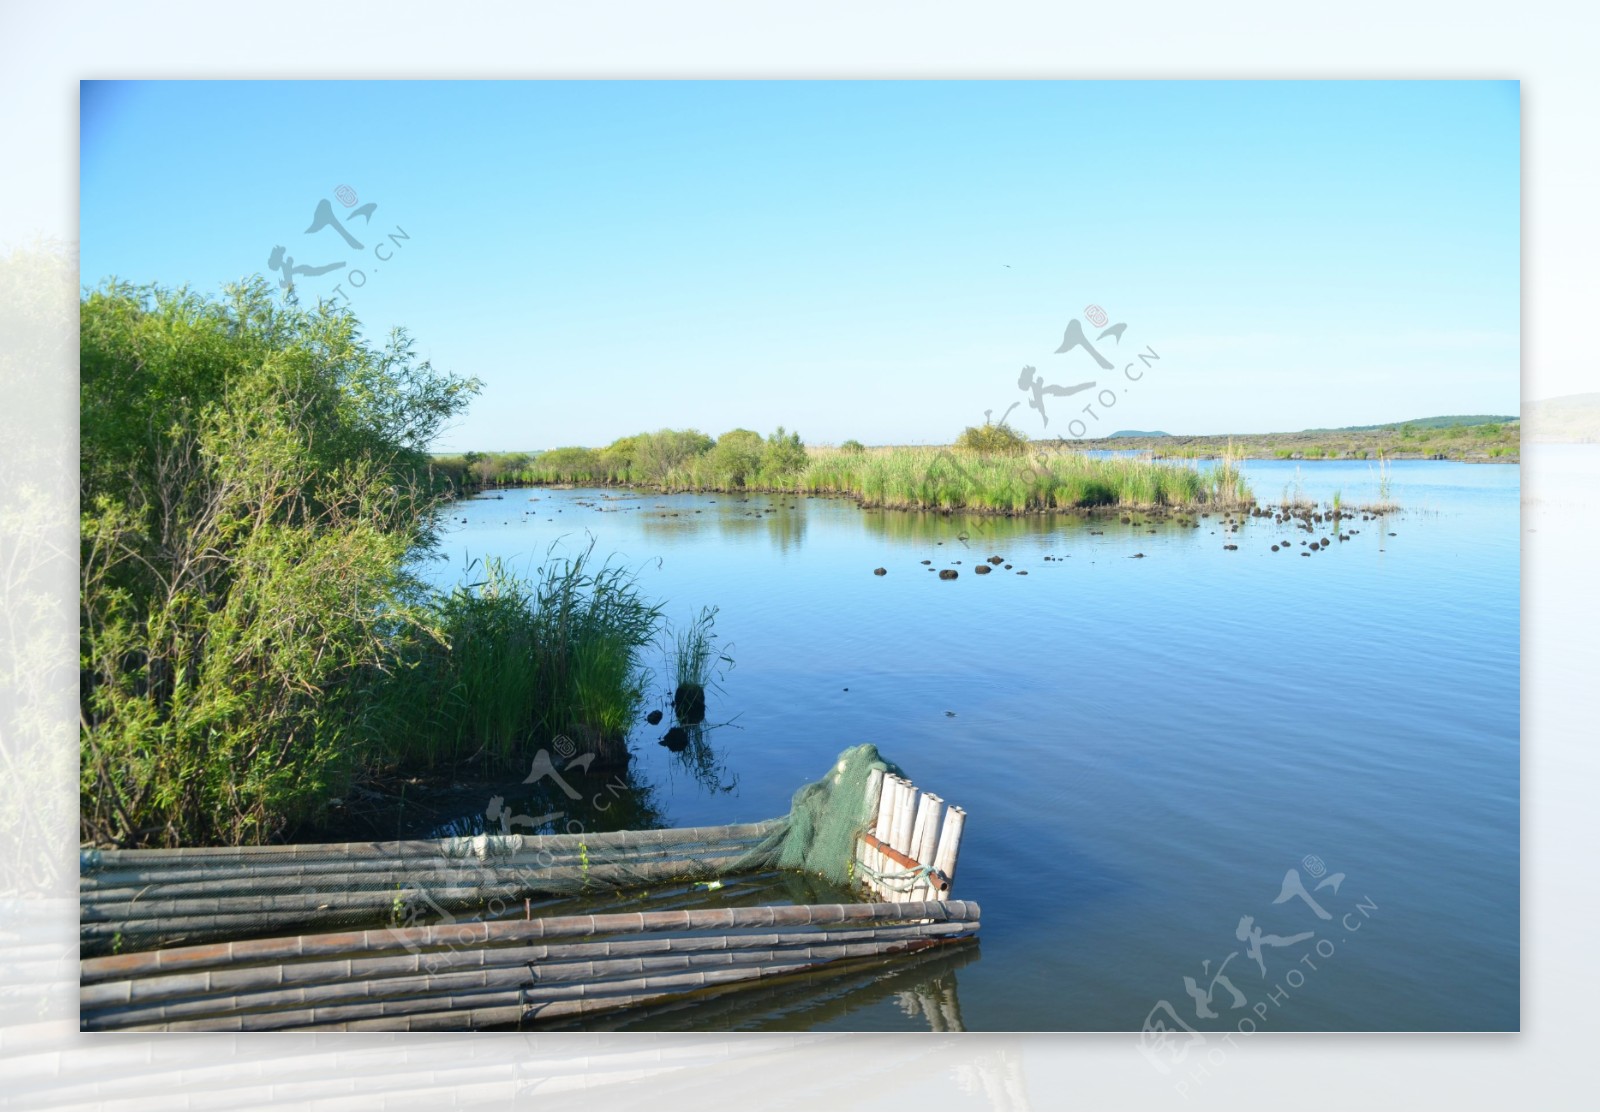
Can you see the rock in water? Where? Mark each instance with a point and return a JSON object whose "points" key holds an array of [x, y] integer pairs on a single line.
{"points": [[948, 573], [653, 718], [689, 703], [880, 571]]}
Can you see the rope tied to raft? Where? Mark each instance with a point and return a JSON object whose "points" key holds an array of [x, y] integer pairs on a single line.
{"points": [[905, 880]]}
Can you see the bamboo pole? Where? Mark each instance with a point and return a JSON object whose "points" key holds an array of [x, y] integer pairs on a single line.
{"points": [[521, 874], [905, 821], [466, 847], [288, 910], [544, 981], [504, 932], [927, 836], [955, 820], [110, 883], [880, 828], [226, 979], [870, 808], [911, 887], [660, 979], [892, 790]]}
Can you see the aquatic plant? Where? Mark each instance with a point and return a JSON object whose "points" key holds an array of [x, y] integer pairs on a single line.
{"points": [[695, 665], [510, 663]]}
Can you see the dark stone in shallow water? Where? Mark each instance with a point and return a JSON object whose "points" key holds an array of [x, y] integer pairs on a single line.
{"points": [[676, 740], [880, 571], [927, 562], [981, 569], [1022, 571], [689, 703], [1137, 556], [948, 573], [1233, 548], [997, 560], [653, 718], [1274, 548]]}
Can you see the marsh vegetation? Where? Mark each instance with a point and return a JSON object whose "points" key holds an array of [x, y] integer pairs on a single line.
{"points": [[990, 469]]}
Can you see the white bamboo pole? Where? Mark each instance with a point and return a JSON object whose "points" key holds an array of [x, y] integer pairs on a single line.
{"points": [[872, 809], [914, 887], [955, 820], [894, 791], [926, 845], [906, 820], [882, 824]]}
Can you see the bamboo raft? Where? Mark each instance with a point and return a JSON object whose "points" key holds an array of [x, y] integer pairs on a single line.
{"points": [[284, 937]]}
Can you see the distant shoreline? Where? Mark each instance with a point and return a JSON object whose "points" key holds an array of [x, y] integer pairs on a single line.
{"points": [[1469, 444]]}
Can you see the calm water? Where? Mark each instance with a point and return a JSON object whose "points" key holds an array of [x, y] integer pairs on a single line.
{"points": [[1145, 747]]}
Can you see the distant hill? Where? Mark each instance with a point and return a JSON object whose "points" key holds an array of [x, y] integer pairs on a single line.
{"points": [[1445, 422], [1569, 419], [1140, 433]]}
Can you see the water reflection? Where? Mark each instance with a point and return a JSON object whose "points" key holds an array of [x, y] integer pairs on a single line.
{"points": [[781, 518], [580, 797], [922, 988], [692, 751]]}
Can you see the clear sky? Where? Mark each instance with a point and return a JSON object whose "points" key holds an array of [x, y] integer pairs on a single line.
{"points": [[875, 260]]}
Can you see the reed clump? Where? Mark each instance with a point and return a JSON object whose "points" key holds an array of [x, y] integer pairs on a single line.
{"points": [[508, 664], [952, 479]]}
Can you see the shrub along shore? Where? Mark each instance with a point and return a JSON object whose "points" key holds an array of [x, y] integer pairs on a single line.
{"points": [[254, 640], [990, 469]]}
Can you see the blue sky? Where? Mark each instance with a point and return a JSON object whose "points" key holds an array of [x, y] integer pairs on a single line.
{"points": [[875, 260]]}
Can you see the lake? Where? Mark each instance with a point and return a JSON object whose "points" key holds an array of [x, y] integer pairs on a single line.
{"points": [[1150, 750]]}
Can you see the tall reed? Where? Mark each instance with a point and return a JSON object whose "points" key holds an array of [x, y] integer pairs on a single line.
{"points": [[512, 663]]}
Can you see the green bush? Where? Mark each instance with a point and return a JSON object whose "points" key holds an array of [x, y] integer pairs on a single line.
{"points": [[253, 477], [736, 458], [854, 447], [657, 455], [783, 457], [993, 440], [568, 465]]}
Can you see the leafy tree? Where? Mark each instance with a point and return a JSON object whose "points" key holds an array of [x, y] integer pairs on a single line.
{"points": [[657, 454], [736, 457], [569, 465], [783, 455], [253, 477], [616, 459], [853, 447]]}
